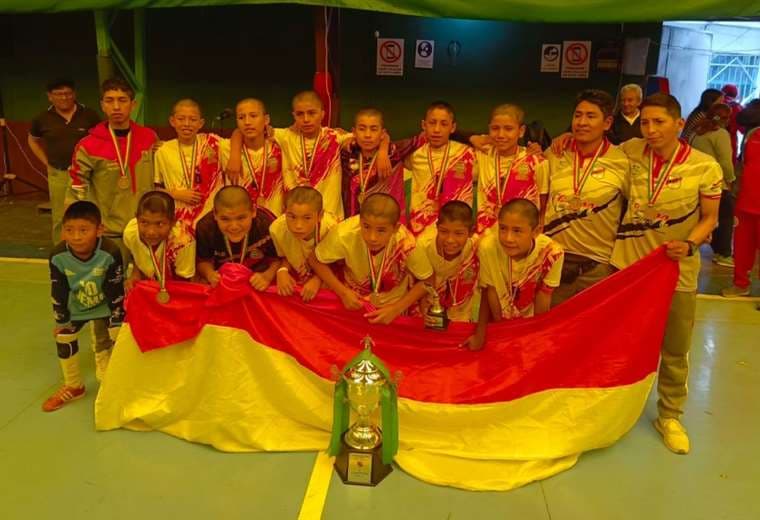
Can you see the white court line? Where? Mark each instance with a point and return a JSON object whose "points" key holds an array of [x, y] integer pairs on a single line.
{"points": [[10, 260]]}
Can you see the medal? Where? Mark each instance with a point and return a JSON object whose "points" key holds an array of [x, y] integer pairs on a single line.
{"points": [[650, 213], [376, 277], [124, 181], [162, 296], [261, 201], [511, 290], [362, 197], [258, 183], [502, 190], [244, 246], [655, 187], [581, 175], [308, 162], [188, 172], [575, 203], [374, 299], [438, 176]]}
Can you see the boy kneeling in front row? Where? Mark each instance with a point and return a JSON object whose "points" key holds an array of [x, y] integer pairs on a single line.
{"points": [[519, 268]]}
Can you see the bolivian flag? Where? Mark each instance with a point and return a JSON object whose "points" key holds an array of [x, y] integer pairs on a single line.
{"points": [[247, 371]]}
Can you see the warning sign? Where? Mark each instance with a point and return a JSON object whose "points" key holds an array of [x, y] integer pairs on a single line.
{"points": [[576, 57], [423, 54], [390, 56], [551, 56]]}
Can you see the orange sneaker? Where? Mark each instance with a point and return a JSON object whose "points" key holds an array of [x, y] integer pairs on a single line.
{"points": [[64, 395]]}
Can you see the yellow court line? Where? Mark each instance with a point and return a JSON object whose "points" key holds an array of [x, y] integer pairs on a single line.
{"points": [[316, 491]]}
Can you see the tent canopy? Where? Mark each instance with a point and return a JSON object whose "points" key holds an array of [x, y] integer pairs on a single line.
{"points": [[515, 10]]}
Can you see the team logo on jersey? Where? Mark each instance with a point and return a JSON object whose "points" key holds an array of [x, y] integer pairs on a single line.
{"points": [[272, 164], [459, 170]]}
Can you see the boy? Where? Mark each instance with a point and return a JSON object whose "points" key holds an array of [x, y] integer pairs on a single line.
{"points": [[86, 276], [673, 200], [507, 170], [188, 167], [587, 183], [295, 235], [452, 254], [380, 259], [310, 152], [519, 268], [442, 170], [236, 231], [261, 156], [361, 162], [157, 243], [113, 165]]}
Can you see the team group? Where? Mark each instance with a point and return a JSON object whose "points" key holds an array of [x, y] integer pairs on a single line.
{"points": [[308, 207]]}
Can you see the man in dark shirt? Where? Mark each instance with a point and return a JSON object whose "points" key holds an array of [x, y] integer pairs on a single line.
{"points": [[625, 125], [238, 232], [52, 138]]}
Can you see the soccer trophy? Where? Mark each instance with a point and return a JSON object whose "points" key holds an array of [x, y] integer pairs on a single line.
{"points": [[436, 317], [363, 451]]}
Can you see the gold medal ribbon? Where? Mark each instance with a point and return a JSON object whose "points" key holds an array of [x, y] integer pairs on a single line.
{"points": [[655, 188], [123, 161], [578, 183], [242, 249], [189, 173], [438, 176], [265, 157], [160, 272]]}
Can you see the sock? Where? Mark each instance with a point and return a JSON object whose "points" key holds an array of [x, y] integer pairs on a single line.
{"points": [[101, 363], [70, 368]]}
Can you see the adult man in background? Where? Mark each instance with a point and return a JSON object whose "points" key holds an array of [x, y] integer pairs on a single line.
{"points": [[626, 125], [52, 138]]}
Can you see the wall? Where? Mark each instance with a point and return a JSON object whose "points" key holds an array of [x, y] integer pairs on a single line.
{"points": [[221, 54], [499, 62]]}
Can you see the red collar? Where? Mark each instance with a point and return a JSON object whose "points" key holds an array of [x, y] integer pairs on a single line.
{"points": [[681, 157], [605, 147]]}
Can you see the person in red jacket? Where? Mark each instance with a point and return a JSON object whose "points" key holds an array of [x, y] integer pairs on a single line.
{"points": [[747, 232], [730, 93], [113, 165]]}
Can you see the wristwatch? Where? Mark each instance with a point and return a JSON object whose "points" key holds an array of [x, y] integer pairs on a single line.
{"points": [[692, 248]]}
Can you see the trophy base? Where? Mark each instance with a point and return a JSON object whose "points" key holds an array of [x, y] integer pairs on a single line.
{"points": [[361, 467]]}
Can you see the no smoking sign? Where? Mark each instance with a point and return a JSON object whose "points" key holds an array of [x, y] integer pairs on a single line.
{"points": [[576, 59], [390, 57]]}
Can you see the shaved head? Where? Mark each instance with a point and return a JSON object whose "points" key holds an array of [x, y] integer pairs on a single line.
{"points": [[308, 96], [381, 205], [254, 101], [187, 102], [232, 197]]}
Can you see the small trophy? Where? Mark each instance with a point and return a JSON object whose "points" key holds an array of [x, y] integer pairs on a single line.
{"points": [[436, 317], [363, 452]]}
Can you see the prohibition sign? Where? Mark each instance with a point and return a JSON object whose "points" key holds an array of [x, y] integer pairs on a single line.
{"points": [[390, 51], [576, 54]]}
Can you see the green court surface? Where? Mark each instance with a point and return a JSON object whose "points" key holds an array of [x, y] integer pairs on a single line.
{"points": [[55, 465]]}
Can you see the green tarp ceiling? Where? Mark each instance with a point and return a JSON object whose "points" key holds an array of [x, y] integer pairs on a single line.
{"points": [[517, 10]]}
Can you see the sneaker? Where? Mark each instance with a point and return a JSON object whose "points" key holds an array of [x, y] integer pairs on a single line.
{"points": [[725, 261], [673, 434], [64, 395], [734, 291]]}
